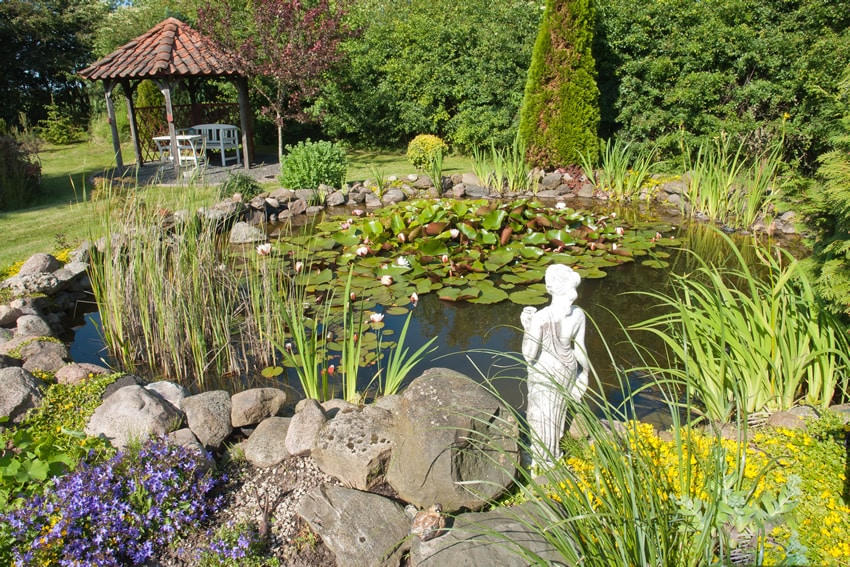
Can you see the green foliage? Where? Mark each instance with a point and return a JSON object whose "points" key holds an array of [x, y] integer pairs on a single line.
{"points": [[424, 149], [680, 69], [829, 207], [560, 110], [58, 128], [455, 69], [241, 183], [20, 175], [754, 338], [624, 168], [306, 165]]}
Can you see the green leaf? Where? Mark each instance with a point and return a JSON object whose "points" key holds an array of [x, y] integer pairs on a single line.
{"points": [[494, 219]]}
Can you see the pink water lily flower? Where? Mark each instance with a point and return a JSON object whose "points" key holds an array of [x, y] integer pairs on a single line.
{"points": [[387, 280], [362, 251], [620, 230], [357, 212], [264, 249]]}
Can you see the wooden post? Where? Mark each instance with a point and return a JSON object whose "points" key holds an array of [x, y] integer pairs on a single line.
{"points": [[165, 87], [245, 122], [108, 85], [134, 127]]}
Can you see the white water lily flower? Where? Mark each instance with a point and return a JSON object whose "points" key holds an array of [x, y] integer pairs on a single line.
{"points": [[362, 251], [264, 249], [387, 280], [560, 205], [403, 262], [376, 317]]}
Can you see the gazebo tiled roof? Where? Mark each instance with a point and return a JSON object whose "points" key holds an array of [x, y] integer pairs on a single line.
{"points": [[170, 49]]}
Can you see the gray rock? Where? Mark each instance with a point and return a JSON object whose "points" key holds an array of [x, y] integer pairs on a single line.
{"points": [[32, 284], [19, 392], [39, 264], [47, 356], [336, 199], [244, 233], [266, 446], [298, 207], [355, 446], [304, 428], [360, 528], [253, 406], [77, 373], [372, 201], [470, 179], [675, 188], [8, 315], [458, 191], [282, 195], [132, 414], [332, 407], [786, 420], [208, 416], [422, 182], [551, 180], [69, 273], [121, 382], [586, 191], [33, 326], [7, 361], [456, 443], [476, 191], [392, 196], [307, 195], [314, 210], [499, 537], [171, 392]]}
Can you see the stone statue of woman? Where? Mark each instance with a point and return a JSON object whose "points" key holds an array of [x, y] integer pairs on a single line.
{"points": [[553, 348]]}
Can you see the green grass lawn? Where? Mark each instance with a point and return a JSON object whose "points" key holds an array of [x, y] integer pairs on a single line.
{"points": [[64, 214]]}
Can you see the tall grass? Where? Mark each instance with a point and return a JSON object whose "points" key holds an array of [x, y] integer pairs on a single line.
{"points": [[754, 338], [504, 169], [623, 168], [730, 187], [169, 298]]}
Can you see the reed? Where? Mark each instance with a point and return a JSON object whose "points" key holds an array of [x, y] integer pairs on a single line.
{"points": [[169, 298], [751, 337], [623, 168], [400, 361]]}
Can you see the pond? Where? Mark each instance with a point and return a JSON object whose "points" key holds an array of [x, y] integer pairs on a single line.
{"points": [[484, 340]]}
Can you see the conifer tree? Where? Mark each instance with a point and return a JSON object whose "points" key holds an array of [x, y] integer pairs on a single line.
{"points": [[560, 112]]}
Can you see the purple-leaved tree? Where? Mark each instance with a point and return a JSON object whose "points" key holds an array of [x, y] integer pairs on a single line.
{"points": [[287, 46]]}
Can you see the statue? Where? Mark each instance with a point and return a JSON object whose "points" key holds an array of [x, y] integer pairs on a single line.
{"points": [[553, 348]]}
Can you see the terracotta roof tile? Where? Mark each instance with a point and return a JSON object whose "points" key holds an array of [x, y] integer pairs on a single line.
{"points": [[169, 49]]}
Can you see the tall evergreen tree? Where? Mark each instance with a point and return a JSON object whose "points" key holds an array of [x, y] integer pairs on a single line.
{"points": [[560, 112]]}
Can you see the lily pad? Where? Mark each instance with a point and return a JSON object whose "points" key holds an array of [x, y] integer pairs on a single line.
{"points": [[528, 297], [457, 294], [489, 294], [657, 264]]}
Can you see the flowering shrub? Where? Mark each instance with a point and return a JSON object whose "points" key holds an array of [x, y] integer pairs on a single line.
{"points": [[116, 513], [239, 545], [423, 150]]}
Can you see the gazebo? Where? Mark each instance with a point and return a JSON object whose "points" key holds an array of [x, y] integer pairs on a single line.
{"points": [[167, 54]]}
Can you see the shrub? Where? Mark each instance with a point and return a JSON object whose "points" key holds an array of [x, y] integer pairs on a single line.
{"points": [[116, 513], [58, 128], [20, 175], [240, 183], [422, 151], [307, 165], [560, 112]]}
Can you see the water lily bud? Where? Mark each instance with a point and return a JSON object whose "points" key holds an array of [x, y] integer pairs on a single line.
{"points": [[445, 259], [331, 370], [387, 280], [454, 233], [620, 230], [299, 266], [402, 237], [414, 297], [362, 250]]}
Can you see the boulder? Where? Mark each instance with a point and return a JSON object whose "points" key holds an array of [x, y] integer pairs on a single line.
{"points": [[33, 326], [244, 233], [9, 315], [355, 446], [253, 406], [121, 382], [77, 373], [34, 283], [456, 443], [298, 206], [39, 264], [393, 196], [19, 393], [336, 199], [501, 537], [304, 428], [132, 414], [208, 416], [6, 361], [172, 392], [360, 528], [69, 273], [266, 446], [47, 356], [476, 191]]}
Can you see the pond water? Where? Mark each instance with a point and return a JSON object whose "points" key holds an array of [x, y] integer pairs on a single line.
{"points": [[483, 341]]}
